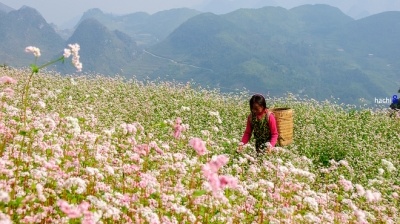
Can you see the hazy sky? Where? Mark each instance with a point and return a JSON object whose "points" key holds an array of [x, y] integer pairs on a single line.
{"points": [[59, 12]]}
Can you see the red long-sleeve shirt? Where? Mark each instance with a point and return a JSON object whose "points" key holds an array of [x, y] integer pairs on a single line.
{"points": [[272, 127]]}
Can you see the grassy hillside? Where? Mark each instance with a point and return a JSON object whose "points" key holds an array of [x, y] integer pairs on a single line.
{"points": [[89, 148], [315, 50]]}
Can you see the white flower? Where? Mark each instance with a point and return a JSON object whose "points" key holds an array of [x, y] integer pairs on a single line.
{"points": [[73, 125], [67, 53], [34, 50], [42, 104], [183, 108], [360, 189], [389, 166], [77, 182], [74, 51], [4, 197], [312, 203]]}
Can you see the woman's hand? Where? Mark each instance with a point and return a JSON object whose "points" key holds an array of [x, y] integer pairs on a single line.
{"points": [[240, 147], [269, 147]]}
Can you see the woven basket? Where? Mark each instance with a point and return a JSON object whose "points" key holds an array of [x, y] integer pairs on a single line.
{"points": [[284, 123]]}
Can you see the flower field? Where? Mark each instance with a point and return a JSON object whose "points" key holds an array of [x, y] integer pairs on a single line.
{"points": [[94, 149]]}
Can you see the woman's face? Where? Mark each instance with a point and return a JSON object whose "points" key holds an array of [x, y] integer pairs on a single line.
{"points": [[257, 109]]}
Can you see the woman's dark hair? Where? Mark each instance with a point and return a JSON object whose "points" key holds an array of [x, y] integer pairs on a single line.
{"points": [[258, 99]]}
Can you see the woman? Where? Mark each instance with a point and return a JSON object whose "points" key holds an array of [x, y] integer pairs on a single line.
{"points": [[260, 122]]}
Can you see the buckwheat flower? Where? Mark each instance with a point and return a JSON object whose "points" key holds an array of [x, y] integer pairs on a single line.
{"points": [[8, 92], [227, 181], [270, 184], [39, 190], [4, 197], [41, 104], [198, 145], [77, 182], [389, 165], [183, 108], [372, 196], [311, 218], [312, 203], [7, 80], [73, 82], [217, 162], [248, 157], [205, 132], [360, 216], [283, 169], [215, 129], [346, 184], [360, 190], [5, 219], [73, 125], [154, 146], [178, 128], [67, 53], [70, 211], [74, 51], [165, 146], [109, 169], [34, 50]]}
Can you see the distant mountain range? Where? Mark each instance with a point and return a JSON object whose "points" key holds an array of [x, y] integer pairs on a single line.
{"points": [[313, 50]]}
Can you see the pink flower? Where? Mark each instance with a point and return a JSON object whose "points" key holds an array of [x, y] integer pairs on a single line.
{"points": [[214, 165], [74, 212], [8, 92], [7, 80], [210, 172], [198, 145], [372, 196], [227, 181], [346, 184], [155, 147], [178, 128], [142, 149]]}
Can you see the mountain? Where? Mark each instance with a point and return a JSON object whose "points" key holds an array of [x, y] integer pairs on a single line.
{"points": [[102, 51], [314, 50], [357, 9], [5, 8], [22, 28], [145, 29]]}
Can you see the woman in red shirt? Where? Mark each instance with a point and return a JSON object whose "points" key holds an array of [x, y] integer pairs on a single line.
{"points": [[260, 122]]}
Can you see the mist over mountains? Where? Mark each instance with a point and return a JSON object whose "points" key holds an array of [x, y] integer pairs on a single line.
{"points": [[313, 50]]}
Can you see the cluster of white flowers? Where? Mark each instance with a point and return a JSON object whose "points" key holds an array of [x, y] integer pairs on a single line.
{"points": [[74, 51], [4, 197], [94, 172], [39, 190], [183, 108], [73, 125], [216, 114], [77, 182], [389, 166], [34, 50], [312, 203]]}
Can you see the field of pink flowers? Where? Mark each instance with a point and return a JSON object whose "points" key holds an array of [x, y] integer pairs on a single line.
{"points": [[92, 149]]}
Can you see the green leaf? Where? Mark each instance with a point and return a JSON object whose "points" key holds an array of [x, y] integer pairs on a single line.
{"points": [[23, 133], [199, 193], [35, 68]]}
